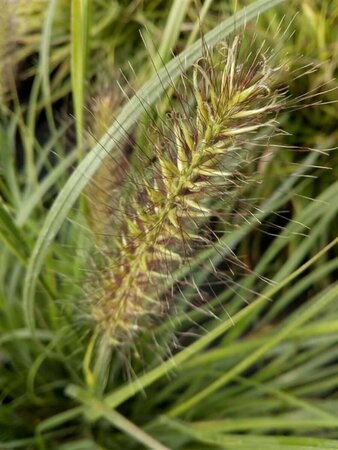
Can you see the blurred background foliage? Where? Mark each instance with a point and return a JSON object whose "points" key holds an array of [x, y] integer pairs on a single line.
{"points": [[267, 377]]}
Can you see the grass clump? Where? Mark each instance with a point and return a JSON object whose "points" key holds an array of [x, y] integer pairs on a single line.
{"points": [[215, 244]]}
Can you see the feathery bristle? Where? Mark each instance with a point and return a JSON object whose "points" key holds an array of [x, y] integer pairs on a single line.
{"points": [[199, 155]]}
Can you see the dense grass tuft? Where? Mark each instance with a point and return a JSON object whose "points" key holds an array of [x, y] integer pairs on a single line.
{"points": [[245, 356]]}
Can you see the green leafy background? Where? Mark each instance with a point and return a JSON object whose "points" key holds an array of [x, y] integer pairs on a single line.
{"points": [[263, 374]]}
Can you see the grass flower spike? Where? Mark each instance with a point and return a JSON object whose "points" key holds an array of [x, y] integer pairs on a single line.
{"points": [[168, 235], [198, 158]]}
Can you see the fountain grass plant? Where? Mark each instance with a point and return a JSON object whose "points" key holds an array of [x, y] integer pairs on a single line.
{"points": [[253, 365]]}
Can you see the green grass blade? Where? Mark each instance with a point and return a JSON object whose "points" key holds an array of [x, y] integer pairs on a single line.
{"points": [[80, 36], [46, 184], [12, 236], [172, 30], [44, 67], [250, 442], [307, 314]]}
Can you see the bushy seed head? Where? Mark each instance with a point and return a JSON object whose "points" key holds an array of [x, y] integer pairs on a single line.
{"points": [[199, 154]]}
